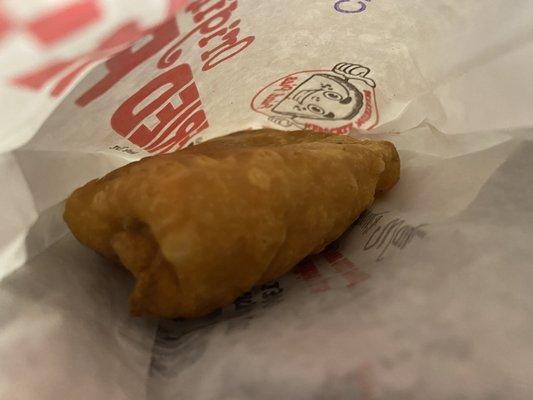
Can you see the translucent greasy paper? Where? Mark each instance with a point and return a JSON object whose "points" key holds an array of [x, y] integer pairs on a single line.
{"points": [[427, 296]]}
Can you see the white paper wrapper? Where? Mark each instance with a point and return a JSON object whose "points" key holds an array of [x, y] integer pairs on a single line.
{"points": [[426, 297]]}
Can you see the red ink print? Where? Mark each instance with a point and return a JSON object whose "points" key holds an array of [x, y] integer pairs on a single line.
{"points": [[69, 70], [308, 272], [345, 267], [174, 6], [128, 59], [175, 124], [62, 23]]}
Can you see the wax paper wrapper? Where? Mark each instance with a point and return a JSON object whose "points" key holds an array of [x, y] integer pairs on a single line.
{"points": [[427, 296]]}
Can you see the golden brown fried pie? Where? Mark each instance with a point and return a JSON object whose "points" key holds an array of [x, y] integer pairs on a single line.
{"points": [[199, 227]]}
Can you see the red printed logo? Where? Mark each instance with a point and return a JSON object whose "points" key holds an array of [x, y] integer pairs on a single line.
{"points": [[168, 122], [327, 101], [60, 23], [56, 24], [63, 72], [166, 113]]}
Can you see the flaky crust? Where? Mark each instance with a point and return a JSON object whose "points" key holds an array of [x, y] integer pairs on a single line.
{"points": [[199, 227]]}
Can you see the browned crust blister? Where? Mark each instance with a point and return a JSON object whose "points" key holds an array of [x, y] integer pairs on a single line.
{"points": [[199, 227]]}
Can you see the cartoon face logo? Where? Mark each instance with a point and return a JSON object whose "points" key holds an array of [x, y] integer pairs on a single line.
{"points": [[321, 100], [322, 96]]}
